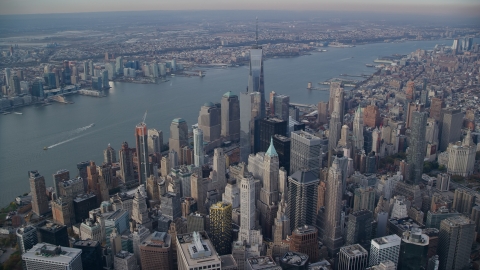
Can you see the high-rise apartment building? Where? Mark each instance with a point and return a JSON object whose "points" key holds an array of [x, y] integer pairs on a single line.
{"points": [[451, 126], [45, 256], [410, 91], [359, 228], [230, 117], [371, 116], [463, 201], [304, 239], [364, 199], [416, 151], [455, 242], [358, 140], [385, 248], [302, 198], [209, 121], [322, 108], [221, 227], [58, 177], [305, 152], [436, 106], [141, 138], [156, 252], [109, 155], [26, 238], [352, 257], [39, 194]]}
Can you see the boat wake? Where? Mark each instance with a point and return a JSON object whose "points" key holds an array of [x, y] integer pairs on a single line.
{"points": [[73, 132], [344, 59], [60, 143]]}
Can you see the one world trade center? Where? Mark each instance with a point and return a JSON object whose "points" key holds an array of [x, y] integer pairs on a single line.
{"points": [[255, 79]]}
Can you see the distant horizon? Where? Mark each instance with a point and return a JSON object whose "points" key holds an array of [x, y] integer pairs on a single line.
{"points": [[470, 8]]}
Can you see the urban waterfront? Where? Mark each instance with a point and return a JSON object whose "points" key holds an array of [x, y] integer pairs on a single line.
{"points": [[65, 128]]}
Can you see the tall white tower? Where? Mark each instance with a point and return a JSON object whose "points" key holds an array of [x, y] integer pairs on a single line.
{"points": [[247, 232], [199, 155]]}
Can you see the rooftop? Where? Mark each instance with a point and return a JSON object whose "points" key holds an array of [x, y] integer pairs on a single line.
{"points": [[262, 262], [51, 253], [304, 177], [389, 239], [197, 248], [178, 120], [354, 250], [295, 258], [306, 229]]}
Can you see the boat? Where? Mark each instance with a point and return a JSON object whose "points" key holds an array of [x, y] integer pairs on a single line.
{"points": [[18, 113], [369, 65], [5, 113], [45, 148]]}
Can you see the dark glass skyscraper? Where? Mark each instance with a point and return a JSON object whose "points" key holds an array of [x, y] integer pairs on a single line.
{"points": [[417, 146]]}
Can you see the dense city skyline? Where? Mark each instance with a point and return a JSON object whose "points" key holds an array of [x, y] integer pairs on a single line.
{"points": [[269, 143]]}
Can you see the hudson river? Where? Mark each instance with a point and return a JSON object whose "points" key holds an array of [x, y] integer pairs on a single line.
{"points": [[65, 128]]}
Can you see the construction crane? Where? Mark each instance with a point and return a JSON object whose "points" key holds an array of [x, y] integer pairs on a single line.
{"points": [[144, 117]]}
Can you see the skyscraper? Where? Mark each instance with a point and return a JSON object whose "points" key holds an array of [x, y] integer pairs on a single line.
{"points": [[461, 156], [416, 151], [333, 90], [140, 211], [410, 91], [302, 198], [385, 248], [109, 155], [333, 208], [58, 177], [179, 136], [221, 227], [155, 141], [199, 156], [209, 121], [141, 138], [364, 199], [322, 109], [371, 116], [91, 254], [436, 107], [455, 242], [156, 252], [336, 119], [452, 120], [281, 104], [26, 238], [255, 78], [413, 250], [269, 196], [265, 129], [195, 250], [249, 113], [359, 228], [230, 117], [304, 239], [358, 140], [39, 194], [352, 257], [248, 232], [126, 164], [305, 152]]}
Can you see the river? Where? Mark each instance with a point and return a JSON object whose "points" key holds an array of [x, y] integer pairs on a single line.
{"points": [[65, 127]]}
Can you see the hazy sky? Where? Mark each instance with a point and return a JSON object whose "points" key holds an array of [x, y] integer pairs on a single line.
{"points": [[71, 6]]}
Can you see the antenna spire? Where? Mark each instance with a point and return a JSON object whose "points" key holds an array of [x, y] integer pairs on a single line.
{"points": [[256, 31]]}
